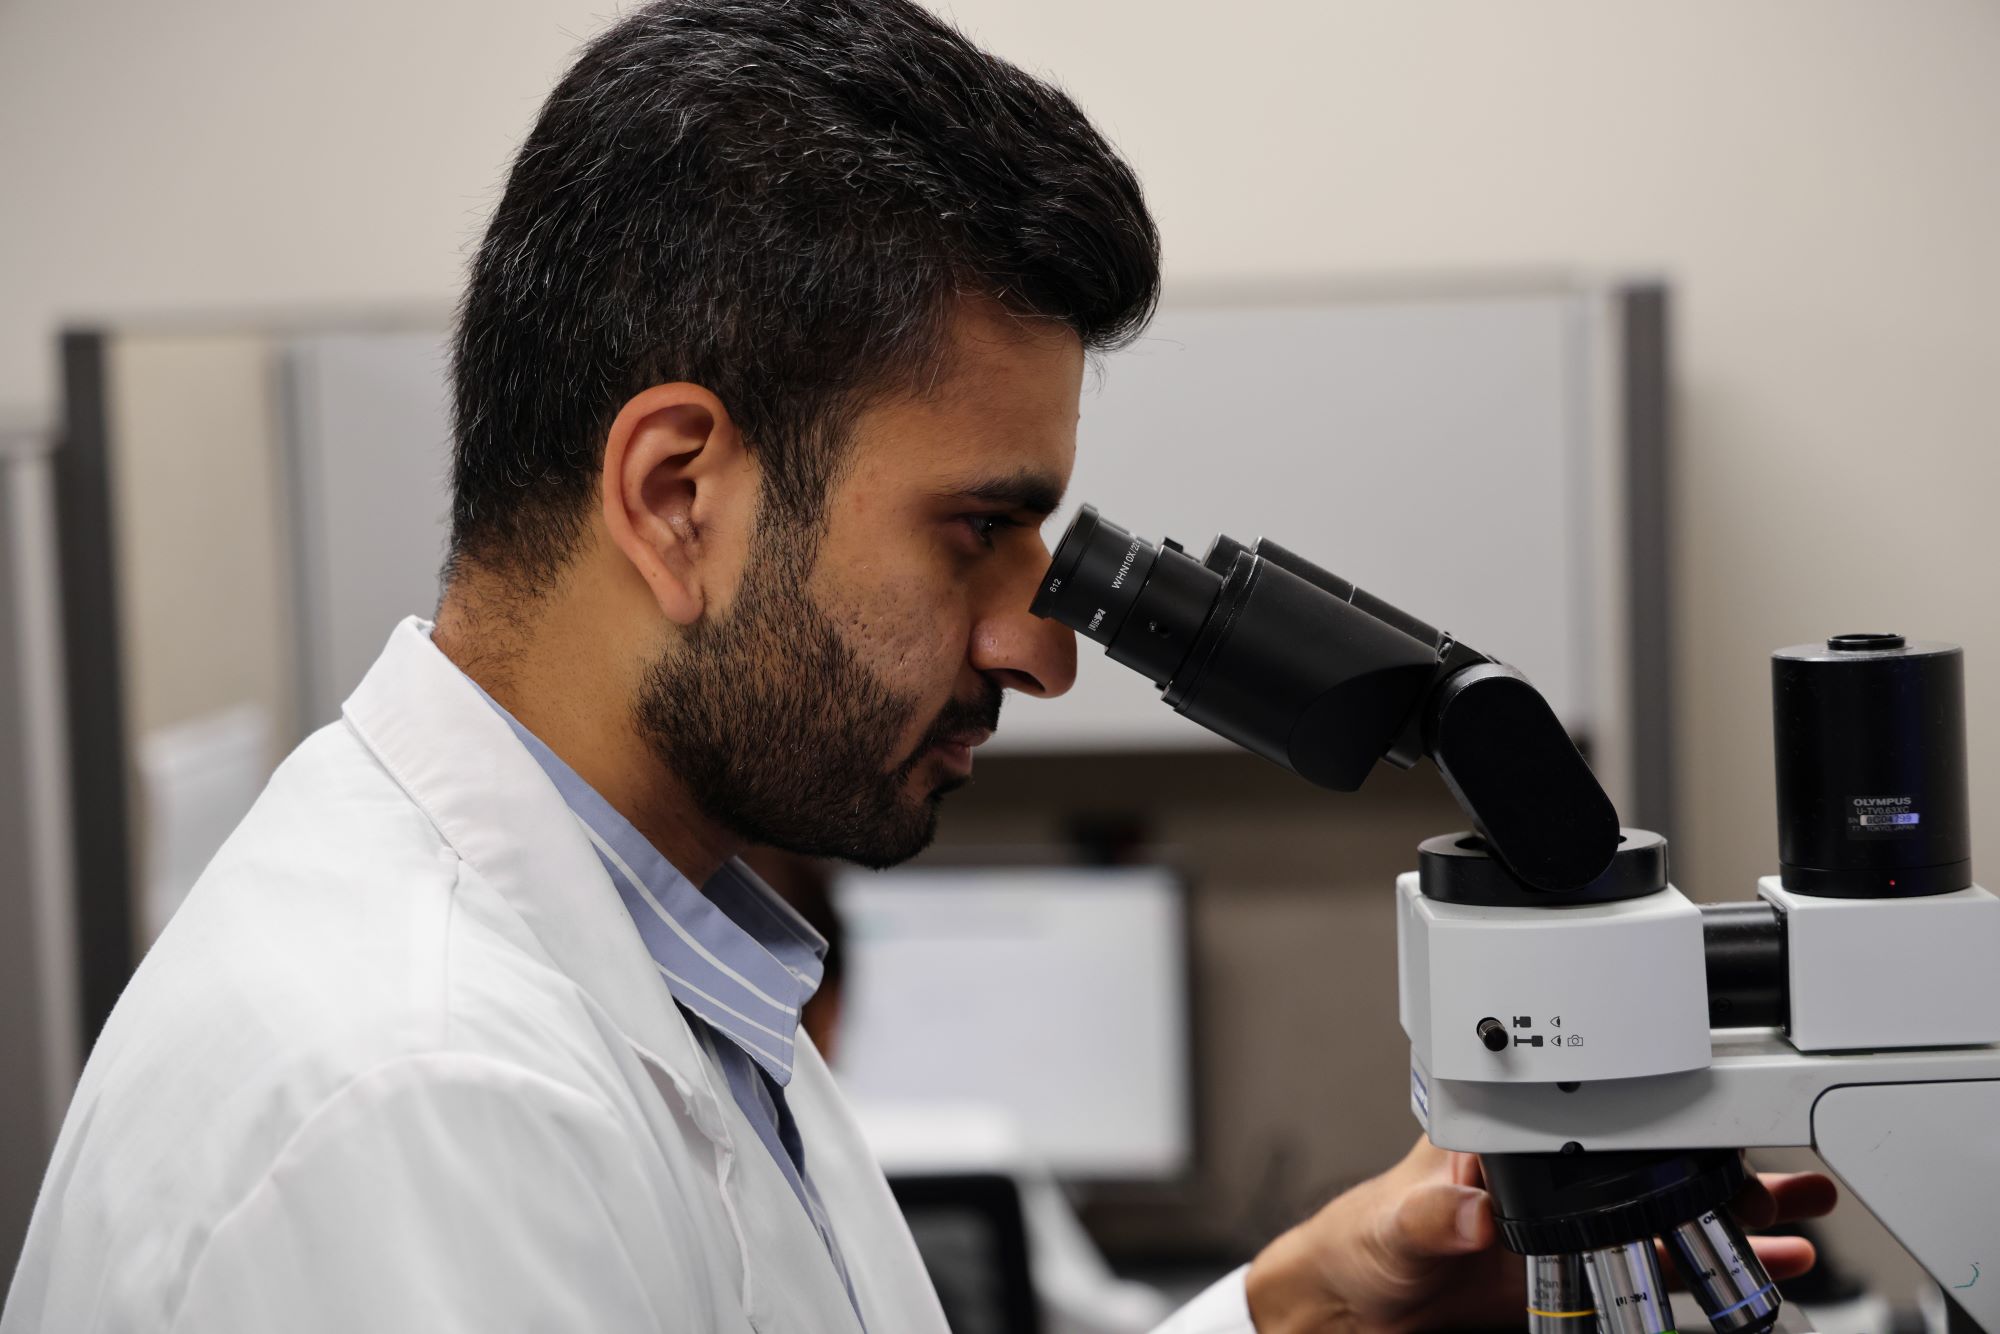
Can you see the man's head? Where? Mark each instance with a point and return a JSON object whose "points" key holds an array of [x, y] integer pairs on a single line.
{"points": [[766, 373]]}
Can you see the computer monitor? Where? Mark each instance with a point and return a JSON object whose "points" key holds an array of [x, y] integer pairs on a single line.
{"points": [[1059, 995]]}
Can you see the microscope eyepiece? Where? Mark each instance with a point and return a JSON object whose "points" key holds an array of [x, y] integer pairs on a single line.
{"points": [[1095, 576], [1296, 664], [1257, 645], [1144, 603]]}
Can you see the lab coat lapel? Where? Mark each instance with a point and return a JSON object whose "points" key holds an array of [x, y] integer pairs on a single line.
{"points": [[792, 1284], [458, 760], [890, 1281]]}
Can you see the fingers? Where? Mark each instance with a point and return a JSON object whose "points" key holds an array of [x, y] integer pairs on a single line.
{"points": [[1424, 1156], [1440, 1220], [1784, 1257], [1754, 1205], [1778, 1197], [1466, 1171], [1801, 1194]]}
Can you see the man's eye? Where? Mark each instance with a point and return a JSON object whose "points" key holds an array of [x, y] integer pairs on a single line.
{"points": [[986, 527]]}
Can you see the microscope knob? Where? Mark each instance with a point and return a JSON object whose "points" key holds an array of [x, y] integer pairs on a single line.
{"points": [[1493, 1033]]}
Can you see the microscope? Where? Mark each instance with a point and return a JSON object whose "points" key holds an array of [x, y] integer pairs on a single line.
{"points": [[1606, 1045]]}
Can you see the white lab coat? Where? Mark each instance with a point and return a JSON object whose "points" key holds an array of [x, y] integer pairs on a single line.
{"points": [[401, 1063]]}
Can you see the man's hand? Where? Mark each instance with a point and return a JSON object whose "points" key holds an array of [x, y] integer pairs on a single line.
{"points": [[1414, 1249]]}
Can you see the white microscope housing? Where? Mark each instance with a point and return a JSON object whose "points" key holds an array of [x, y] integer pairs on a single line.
{"points": [[1820, 1015], [1607, 1044]]}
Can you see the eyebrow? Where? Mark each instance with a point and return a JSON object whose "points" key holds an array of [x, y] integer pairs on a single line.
{"points": [[1034, 492]]}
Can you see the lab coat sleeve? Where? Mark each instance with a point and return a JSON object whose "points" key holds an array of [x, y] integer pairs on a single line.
{"points": [[445, 1192], [1223, 1308]]}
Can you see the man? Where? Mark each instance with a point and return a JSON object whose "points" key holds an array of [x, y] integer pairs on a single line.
{"points": [[766, 376]]}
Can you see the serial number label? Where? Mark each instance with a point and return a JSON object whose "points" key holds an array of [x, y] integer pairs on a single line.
{"points": [[1874, 817]]}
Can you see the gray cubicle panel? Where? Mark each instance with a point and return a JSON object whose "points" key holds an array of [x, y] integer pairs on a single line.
{"points": [[95, 710], [1485, 457], [369, 439], [246, 514], [177, 603], [39, 1053], [1488, 455], [23, 1127]]}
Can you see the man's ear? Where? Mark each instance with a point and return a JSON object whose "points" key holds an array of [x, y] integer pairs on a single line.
{"points": [[676, 495]]}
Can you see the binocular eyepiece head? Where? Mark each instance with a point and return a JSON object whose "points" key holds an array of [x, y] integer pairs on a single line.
{"points": [[1296, 664]]}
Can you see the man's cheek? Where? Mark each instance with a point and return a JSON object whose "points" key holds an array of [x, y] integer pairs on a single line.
{"points": [[911, 634]]}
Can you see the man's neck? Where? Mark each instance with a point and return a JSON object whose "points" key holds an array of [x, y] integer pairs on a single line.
{"points": [[558, 682]]}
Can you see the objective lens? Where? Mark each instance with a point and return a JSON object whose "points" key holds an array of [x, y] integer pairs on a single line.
{"points": [[1725, 1275], [1559, 1296], [1631, 1295]]}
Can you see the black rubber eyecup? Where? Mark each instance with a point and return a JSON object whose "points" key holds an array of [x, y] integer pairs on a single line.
{"points": [[1062, 566]]}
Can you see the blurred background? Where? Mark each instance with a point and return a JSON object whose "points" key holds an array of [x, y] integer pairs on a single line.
{"points": [[1631, 342]]}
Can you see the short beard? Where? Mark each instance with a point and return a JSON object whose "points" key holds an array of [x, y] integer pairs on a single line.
{"points": [[783, 737]]}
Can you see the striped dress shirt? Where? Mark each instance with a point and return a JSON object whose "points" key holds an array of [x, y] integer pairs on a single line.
{"points": [[737, 960]]}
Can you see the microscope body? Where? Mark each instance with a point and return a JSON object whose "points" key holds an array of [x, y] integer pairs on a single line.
{"points": [[1887, 1064], [1608, 1046], [1852, 1007]]}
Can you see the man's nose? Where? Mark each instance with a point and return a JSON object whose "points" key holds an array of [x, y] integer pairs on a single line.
{"points": [[1023, 652]]}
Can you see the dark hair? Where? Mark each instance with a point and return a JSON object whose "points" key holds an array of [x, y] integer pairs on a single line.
{"points": [[780, 200]]}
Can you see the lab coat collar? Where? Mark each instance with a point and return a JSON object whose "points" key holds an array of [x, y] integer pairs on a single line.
{"points": [[458, 760], [747, 946]]}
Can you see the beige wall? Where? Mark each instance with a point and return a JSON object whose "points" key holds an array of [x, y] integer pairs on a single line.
{"points": [[1820, 179], [1820, 182]]}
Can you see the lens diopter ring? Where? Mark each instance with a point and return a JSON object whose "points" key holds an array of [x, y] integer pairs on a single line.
{"points": [[1095, 577]]}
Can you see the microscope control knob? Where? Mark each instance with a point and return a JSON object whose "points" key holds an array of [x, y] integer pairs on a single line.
{"points": [[1493, 1033]]}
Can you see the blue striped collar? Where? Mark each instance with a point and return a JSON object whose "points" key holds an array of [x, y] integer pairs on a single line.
{"points": [[731, 952]]}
